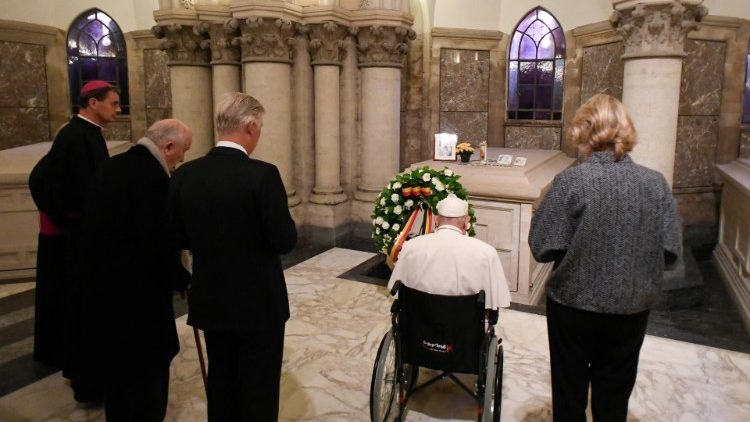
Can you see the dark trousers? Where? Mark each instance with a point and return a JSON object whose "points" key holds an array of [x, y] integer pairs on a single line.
{"points": [[81, 365], [600, 349], [244, 372], [138, 397]]}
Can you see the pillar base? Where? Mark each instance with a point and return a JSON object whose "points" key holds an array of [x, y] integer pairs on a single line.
{"points": [[293, 199], [328, 224], [328, 198]]}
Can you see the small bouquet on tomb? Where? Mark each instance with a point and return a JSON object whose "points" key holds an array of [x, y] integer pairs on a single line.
{"points": [[464, 150]]}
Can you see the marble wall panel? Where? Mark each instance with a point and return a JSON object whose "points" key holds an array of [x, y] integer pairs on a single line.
{"points": [[702, 77], [464, 80], [24, 113], [470, 126], [155, 114], [697, 208], [602, 70], [745, 144], [532, 137], [23, 81], [118, 131], [158, 90], [697, 139], [23, 126]]}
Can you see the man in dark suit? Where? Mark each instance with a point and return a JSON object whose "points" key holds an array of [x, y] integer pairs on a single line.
{"points": [[231, 212], [133, 268]]}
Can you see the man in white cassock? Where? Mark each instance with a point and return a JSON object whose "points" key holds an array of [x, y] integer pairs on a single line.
{"points": [[448, 262]]}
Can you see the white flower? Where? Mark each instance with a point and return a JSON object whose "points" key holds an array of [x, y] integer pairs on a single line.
{"points": [[396, 227], [389, 186], [382, 201], [408, 204], [384, 250], [387, 237], [386, 210], [397, 185], [426, 177], [378, 221], [438, 185], [394, 197], [397, 209], [385, 225], [448, 172], [377, 230]]}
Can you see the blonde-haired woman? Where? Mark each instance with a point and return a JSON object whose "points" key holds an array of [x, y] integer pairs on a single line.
{"points": [[610, 226]]}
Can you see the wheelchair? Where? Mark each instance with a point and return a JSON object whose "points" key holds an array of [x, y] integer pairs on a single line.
{"points": [[450, 334]]}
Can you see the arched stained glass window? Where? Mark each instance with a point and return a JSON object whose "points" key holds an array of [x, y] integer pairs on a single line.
{"points": [[746, 104], [96, 50], [536, 60]]}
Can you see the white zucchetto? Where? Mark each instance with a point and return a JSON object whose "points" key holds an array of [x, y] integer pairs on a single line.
{"points": [[453, 206]]}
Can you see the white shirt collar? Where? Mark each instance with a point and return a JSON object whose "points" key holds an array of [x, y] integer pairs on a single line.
{"points": [[230, 144], [155, 151], [450, 227], [95, 124]]}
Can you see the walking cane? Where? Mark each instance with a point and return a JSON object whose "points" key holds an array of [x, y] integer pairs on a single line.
{"points": [[200, 355], [199, 346], [187, 261]]}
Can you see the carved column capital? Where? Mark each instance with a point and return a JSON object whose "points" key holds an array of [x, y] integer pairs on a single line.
{"points": [[382, 46], [185, 45], [224, 40], [267, 39], [327, 43], [657, 30]]}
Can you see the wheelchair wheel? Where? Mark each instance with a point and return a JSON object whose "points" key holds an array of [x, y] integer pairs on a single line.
{"points": [[384, 385], [490, 371], [498, 393]]}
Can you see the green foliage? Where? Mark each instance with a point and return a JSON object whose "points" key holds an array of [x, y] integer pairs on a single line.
{"points": [[394, 205]]}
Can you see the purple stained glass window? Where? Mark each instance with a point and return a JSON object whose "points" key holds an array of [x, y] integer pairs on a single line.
{"points": [[535, 68], [96, 50]]}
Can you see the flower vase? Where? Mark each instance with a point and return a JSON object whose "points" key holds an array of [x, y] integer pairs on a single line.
{"points": [[465, 157]]}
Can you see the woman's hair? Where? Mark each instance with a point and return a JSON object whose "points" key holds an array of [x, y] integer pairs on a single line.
{"points": [[603, 124]]}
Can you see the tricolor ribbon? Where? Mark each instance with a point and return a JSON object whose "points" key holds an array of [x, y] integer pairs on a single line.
{"points": [[404, 233]]}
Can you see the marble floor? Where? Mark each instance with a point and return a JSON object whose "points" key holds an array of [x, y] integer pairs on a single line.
{"points": [[332, 338]]}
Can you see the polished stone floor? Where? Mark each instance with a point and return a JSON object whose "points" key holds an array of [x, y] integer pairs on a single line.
{"points": [[331, 341]]}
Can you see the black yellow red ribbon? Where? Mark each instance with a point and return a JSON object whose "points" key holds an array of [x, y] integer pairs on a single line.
{"points": [[402, 236]]}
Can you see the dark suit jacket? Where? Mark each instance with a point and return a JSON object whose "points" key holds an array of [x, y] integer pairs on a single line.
{"points": [[133, 265], [231, 212]]}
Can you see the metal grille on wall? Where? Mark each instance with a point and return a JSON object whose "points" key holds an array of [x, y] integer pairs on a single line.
{"points": [[96, 50], [535, 68]]}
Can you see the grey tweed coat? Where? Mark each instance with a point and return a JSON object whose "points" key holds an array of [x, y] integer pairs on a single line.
{"points": [[610, 227]]}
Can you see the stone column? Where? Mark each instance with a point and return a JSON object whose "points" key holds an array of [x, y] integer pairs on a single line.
{"points": [[224, 43], [190, 82], [380, 56], [267, 64], [654, 34], [328, 211]]}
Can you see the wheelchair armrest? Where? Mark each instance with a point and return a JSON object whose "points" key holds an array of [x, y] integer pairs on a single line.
{"points": [[397, 285], [492, 315]]}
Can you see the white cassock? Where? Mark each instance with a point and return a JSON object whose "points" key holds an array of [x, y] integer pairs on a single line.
{"points": [[447, 262]]}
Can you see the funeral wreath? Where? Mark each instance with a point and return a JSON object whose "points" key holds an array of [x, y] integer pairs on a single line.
{"points": [[399, 204]]}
